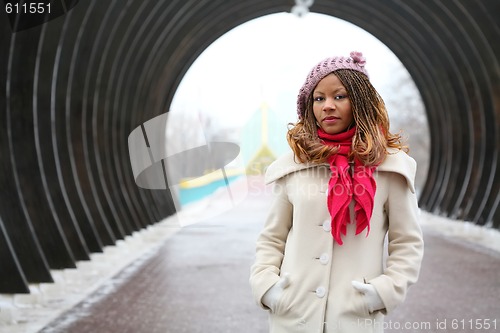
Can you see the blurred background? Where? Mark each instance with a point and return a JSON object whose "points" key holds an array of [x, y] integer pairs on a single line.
{"points": [[252, 74], [124, 124]]}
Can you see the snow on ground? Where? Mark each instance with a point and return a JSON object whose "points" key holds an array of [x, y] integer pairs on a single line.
{"points": [[28, 313], [466, 232]]}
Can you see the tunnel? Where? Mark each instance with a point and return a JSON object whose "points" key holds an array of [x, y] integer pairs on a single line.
{"points": [[76, 82]]}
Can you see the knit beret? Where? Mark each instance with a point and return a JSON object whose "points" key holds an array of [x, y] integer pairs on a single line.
{"points": [[355, 62]]}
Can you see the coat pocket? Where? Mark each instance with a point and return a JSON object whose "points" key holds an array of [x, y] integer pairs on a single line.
{"points": [[283, 303], [359, 306]]}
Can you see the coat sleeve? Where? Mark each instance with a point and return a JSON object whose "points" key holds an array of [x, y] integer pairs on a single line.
{"points": [[405, 245], [271, 242]]}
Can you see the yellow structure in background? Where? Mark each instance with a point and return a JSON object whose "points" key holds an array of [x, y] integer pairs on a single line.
{"points": [[264, 156], [209, 178]]}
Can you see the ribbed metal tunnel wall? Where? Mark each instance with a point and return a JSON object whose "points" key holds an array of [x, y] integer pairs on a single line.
{"points": [[451, 49], [73, 89]]}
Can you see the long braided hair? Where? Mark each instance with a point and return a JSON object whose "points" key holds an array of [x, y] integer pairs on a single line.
{"points": [[372, 137]]}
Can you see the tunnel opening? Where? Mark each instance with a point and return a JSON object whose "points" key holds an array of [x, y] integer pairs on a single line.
{"points": [[246, 82]]}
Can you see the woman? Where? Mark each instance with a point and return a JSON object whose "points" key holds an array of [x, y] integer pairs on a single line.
{"points": [[345, 189]]}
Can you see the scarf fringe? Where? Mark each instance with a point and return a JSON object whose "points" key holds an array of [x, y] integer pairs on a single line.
{"points": [[344, 187]]}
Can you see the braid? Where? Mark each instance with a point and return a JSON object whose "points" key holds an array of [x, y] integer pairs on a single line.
{"points": [[372, 136]]}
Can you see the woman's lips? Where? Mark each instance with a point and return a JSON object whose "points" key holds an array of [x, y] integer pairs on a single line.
{"points": [[330, 119]]}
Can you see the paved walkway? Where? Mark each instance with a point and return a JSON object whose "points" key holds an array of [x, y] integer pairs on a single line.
{"points": [[197, 282]]}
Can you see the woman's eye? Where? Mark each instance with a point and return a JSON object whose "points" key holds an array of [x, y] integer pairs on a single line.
{"points": [[340, 96], [318, 99]]}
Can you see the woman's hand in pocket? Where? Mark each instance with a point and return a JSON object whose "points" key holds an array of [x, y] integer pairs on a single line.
{"points": [[272, 296], [373, 300]]}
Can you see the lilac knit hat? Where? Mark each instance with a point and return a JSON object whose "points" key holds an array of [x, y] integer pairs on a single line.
{"points": [[355, 61]]}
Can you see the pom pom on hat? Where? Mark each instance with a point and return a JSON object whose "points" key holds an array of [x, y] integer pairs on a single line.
{"points": [[355, 62]]}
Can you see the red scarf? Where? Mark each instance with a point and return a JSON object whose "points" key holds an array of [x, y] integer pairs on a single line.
{"points": [[343, 186]]}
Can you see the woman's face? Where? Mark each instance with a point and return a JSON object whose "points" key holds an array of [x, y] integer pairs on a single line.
{"points": [[331, 105]]}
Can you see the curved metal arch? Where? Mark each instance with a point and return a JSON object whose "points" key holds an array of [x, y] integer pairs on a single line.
{"points": [[118, 65]]}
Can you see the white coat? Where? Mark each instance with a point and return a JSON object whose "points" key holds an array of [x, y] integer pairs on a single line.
{"points": [[296, 239]]}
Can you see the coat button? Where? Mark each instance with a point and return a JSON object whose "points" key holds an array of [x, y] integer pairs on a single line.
{"points": [[327, 225], [320, 292], [324, 258]]}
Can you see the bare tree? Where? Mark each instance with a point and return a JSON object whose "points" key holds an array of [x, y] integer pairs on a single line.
{"points": [[407, 114]]}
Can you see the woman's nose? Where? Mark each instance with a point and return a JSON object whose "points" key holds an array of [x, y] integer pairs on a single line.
{"points": [[329, 104]]}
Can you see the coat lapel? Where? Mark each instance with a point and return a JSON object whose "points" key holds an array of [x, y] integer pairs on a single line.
{"points": [[395, 161]]}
